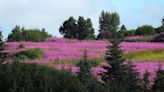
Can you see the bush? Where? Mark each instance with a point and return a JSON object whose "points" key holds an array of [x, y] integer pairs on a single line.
{"points": [[21, 77], [22, 34], [21, 46], [34, 53], [145, 30]]}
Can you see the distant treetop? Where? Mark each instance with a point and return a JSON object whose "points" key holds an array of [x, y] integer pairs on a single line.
{"points": [[22, 34]]}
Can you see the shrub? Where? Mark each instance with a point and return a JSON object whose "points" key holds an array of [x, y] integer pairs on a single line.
{"points": [[21, 77], [145, 30], [21, 46], [22, 34], [34, 53]]}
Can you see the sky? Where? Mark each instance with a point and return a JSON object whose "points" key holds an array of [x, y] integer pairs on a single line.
{"points": [[50, 14]]}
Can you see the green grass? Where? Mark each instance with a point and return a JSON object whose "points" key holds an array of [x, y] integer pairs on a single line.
{"points": [[151, 55], [74, 62]]}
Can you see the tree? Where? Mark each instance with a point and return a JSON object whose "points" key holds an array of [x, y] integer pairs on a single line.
{"points": [[159, 82], [162, 22], [134, 82], [1, 42], [23, 77], [77, 29], [22, 34], [145, 30], [122, 31], [86, 77], [1, 36], [16, 34], [69, 28], [120, 77], [2, 46], [146, 82], [123, 27], [85, 29], [108, 24]]}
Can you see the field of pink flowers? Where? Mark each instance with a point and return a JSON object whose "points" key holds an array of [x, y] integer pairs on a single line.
{"points": [[141, 67], [62, 49]]}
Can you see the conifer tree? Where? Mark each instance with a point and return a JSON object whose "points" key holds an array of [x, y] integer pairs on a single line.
{"points": [[86, 77], [120, 76], [146, 82]]}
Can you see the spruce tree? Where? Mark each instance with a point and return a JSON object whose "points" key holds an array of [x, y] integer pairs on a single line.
{"points": [[120, 76], [86, 77], [146, 82], [114, 58]]}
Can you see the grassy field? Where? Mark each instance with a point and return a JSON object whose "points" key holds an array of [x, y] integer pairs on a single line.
{"points": [[150, 55]]}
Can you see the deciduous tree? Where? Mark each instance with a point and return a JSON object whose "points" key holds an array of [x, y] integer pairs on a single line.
{"points": [[108, 24]]}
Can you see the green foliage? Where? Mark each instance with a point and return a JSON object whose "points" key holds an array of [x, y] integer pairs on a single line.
{"points": [[146, 82], [162, 22], [35, 53], [1, 36], [21, 46], [21, 77], [150, 55], [120, 77], [122, 31], [159, 81], [1, 42], [160, 29], [69, 28], [16, 35], [145, 30], [77, 29], [85, 29], [22, 34], [86, 77], [108, 24]]}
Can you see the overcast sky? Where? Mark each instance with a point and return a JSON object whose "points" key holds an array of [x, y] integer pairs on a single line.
{"points": [[50, 14]]}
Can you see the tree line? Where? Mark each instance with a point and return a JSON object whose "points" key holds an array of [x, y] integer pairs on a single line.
{"points": [[109, 23], [21, 34]]}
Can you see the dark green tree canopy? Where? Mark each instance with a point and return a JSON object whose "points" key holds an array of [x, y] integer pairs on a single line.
{"points": [[145, 30], [122, 32], [1, 36], [123, 28], [77, 29], [69, 28], [108, 24], [163, 22], [1, 41], [22, 34]]}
